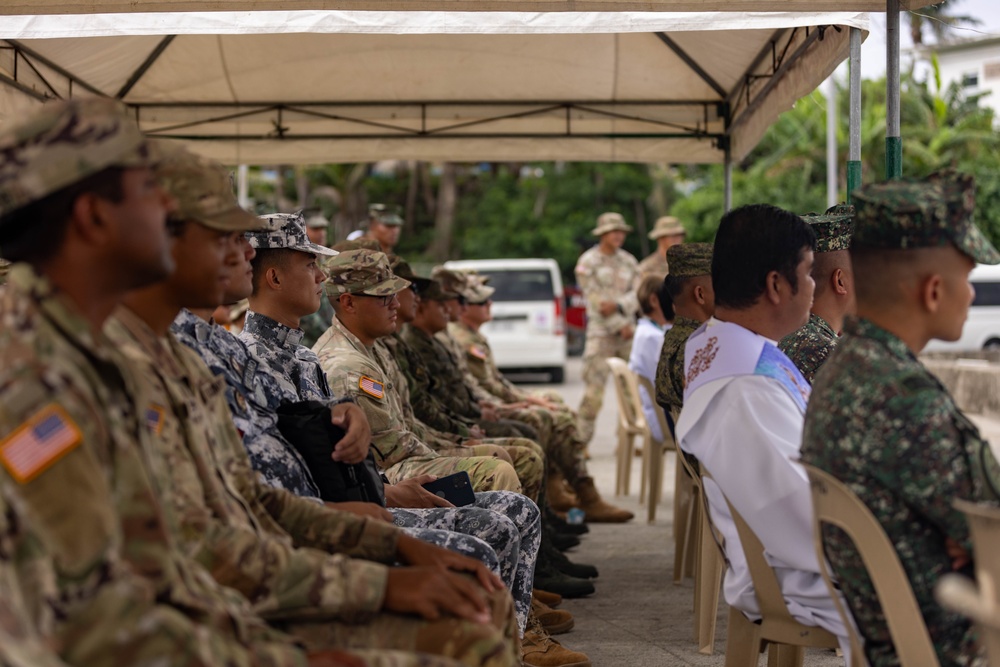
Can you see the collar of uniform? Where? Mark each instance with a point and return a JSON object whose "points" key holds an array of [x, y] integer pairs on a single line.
{"points": [[354, 340], [57, 307], [271, 330], [191, 325], [158, 348], [681, 322], [858, 326], [822, 324]]}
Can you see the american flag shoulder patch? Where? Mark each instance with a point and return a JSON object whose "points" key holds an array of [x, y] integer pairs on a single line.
{"points": [[477, 352], [46, 437], [154, 418], [371, 387]]}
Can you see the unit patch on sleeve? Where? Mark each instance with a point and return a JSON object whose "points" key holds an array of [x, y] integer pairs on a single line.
{"points": [[46, 437], [477, 352]]}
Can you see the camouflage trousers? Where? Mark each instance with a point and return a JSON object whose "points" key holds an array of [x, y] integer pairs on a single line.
{"points": [[494, 644], [505, 524], [526, 456], [487, 473], [376, 658], [558, 435], [507, 428], [595, 376]]}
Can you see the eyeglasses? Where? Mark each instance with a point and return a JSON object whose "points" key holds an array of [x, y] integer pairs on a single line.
{"points": [[481, 303], [384, 300]]}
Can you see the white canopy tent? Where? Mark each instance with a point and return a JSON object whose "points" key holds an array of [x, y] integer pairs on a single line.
{"points": [[322, 86]]}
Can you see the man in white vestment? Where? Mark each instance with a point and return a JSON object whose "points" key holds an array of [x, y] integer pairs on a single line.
{"points": [[744, 408]]}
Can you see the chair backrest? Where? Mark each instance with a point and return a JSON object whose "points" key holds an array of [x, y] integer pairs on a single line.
{"points": [[661, 416], [630, 413], [961, 595], [984, 525], [837, 505]]}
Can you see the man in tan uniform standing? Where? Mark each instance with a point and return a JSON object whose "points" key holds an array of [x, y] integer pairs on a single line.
{"points": [[667, 232]]}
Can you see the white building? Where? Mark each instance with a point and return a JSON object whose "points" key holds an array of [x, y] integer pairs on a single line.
{"points": [[975, 65]]}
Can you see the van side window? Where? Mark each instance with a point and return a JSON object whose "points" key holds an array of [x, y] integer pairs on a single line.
{"points": [[521, 285], [987, 294]]}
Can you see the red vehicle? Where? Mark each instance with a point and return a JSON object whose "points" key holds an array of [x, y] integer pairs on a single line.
{"points": [[576, 320]]}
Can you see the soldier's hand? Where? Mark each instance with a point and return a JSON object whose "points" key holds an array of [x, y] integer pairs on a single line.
{"points": [[627, 332], [411, 493], [607, 308], [432, 591], [370, 510], [334, 659], [353, 447], [957, 553], [412, 551]]}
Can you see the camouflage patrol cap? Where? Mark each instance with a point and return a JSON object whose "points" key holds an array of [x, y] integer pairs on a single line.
{"points": [[362, 271], [436, 291], [476, 290], [687, 260], [610, 222], [833, 228], [452, 282], [927, 213], [403, 270], [286, 230], [667, 225], [317, 221], [383, 214], [203, 189], [63, 143]]}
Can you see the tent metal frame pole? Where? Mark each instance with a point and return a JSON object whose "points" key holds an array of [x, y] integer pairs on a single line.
{"points": [[727, 176], [854, 127], [832, 114], [893, 142]]}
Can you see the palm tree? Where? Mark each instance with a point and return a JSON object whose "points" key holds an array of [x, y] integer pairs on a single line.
{"points": [[938, 20]]}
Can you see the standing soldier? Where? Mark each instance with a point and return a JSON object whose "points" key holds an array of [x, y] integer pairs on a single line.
{"points": [[689, 286], [811, 344], [667, 232], [384, 226], [605, 274]]}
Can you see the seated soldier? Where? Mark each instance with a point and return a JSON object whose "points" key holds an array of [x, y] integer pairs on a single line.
{"points": [[657, 318], [320, 573], [882, 423], [810, 345], [744, 405]]}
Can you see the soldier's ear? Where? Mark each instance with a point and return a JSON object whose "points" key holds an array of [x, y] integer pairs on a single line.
{"points": [[932, 292], [272, 278]]}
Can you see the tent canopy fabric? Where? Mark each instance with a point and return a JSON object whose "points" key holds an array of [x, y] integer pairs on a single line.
{"points": [[346, 86]]}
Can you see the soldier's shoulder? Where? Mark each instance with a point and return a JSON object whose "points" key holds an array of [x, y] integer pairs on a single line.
{"points": [[587, 259]]}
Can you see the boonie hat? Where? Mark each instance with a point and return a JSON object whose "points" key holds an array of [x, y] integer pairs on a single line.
{"points": [[203, 189], [62, 143], [667, 225], [610, 222], [833, 228], [927, 213], [286, 230], [687, 260], [362, 271]]}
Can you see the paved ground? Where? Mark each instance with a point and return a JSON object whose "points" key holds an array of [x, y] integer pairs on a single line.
{"points": [[638, 617]]}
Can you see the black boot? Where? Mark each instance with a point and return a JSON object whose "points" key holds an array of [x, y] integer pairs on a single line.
{"points": [[548, 578]]}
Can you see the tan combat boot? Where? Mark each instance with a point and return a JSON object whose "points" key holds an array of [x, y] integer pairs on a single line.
{"points": [[558, 493], [552, 600], [555, 621], [538, 649], [596, 509]]}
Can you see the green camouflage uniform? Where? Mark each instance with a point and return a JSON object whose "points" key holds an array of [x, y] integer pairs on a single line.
{"points": [[604, 278], [883, 424], [314, 325], [810, 345], [293, 558], [84, 533], [670, 370]]}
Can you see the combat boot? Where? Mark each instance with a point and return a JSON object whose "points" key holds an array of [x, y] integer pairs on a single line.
{"points": [[548, 578], [538, 649], [548, 599], [555, 621], [561, 499], [561, 525], [596, 509]]}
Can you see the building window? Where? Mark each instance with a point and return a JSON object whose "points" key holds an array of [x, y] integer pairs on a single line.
{"points": [[970, 80]]}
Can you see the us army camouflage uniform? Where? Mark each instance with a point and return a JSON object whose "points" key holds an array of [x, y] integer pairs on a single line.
{"points": [[88, 540], [670, 370], [810, 345], [880, 422], [604, 278], [345, 360], [557, 427], [470, 533], [292, 558]]}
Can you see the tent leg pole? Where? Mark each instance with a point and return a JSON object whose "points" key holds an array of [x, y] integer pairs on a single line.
{"points": [[893, 142], [854, 134], [831, 142], [727, 175], [243, 185]]}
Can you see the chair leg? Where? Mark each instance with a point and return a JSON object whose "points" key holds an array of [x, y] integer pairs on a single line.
{"points": [[742, 641], [691, 540], [785, 655], [623, 463], [682, 538], [652, 462], [709, 578]]}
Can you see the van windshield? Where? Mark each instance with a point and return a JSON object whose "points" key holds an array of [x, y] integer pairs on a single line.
{"points": [[987, 294], [521, 285]]}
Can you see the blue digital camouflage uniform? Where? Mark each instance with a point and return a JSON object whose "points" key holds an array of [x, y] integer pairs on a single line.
{"points": [[507, 522], [810, 346]]}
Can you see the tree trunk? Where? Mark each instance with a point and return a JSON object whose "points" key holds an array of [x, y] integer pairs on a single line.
{"points": [[427, 189], [444, 221], [411, 197], [640, 225]]}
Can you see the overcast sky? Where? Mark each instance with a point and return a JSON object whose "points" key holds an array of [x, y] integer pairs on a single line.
{"points": [[873, 50]]}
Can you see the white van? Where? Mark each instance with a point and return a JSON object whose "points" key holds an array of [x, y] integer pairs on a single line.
{"points": [[528, 331], [982, 328]]}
